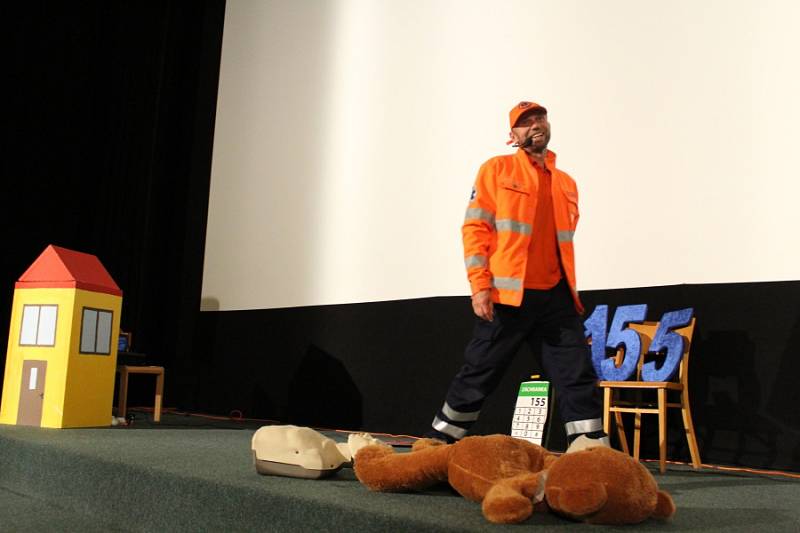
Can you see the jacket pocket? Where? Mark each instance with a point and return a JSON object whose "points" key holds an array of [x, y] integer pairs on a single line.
{"points": [[514, 199], [574, 213], [571, 205], [514, 185]]}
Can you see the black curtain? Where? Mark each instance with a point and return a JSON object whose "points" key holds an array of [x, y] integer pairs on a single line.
{"points": [[111, 113]]}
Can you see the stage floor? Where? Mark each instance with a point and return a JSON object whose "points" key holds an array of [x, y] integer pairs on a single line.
{"points": [[196, 474]]}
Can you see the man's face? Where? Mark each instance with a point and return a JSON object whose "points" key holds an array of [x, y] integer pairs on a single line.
{"points": [[532, 125]]}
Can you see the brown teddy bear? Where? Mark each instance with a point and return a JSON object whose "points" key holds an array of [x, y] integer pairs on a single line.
{"points": [[498, 471], [508, 475]]}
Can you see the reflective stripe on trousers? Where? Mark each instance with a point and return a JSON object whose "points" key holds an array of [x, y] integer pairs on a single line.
{"points": [[577, 427]]}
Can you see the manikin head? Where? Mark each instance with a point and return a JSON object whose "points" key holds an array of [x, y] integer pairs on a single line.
{"points": [[297, 446], [303, 452]]}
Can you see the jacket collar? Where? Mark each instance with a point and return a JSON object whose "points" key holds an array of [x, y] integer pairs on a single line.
{"points": [[549, 158]]}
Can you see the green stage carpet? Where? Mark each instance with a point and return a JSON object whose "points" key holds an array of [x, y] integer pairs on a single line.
{"points": [[190, 474]]}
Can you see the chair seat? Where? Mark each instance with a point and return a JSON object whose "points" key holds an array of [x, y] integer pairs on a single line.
{"points": [[671, 385]]}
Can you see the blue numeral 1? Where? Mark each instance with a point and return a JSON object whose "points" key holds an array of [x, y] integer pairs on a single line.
{"points": [[595, 327]]}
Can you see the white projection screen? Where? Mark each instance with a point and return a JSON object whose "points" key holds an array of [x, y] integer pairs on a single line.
{"points": [[349, 132]]}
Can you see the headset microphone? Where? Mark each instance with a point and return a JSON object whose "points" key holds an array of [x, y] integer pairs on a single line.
{"points": [[524, 144]]}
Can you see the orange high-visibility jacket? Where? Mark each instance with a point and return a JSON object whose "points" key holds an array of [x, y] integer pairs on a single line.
{"points": [[498, 225]]}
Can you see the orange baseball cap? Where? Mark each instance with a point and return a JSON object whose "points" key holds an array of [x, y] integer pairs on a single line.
{"points": [[521, 108]]}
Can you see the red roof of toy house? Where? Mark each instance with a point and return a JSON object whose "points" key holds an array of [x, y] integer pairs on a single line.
{"points": [[59, 268]]}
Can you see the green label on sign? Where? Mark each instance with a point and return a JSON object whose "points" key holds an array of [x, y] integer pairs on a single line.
{"points": [[534, 388]]}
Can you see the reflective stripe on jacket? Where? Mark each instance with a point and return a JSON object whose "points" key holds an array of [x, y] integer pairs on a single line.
{"points": [[498, 222]]}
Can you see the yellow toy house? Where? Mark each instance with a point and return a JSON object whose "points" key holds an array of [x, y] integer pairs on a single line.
{"points": [[62, 343]]}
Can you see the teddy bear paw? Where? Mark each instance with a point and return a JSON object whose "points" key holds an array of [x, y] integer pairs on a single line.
{"points": [[503, 505]]}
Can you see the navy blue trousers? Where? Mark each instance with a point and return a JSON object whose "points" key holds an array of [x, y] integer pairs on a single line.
{"points": [[548, 321]]}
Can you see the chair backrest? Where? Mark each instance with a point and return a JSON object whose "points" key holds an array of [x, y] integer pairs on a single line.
{"points": [[647, 331], [128, 336]]}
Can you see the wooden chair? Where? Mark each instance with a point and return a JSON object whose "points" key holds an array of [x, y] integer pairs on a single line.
{"points": [[122, 399], [125, 370], [613, 404]]}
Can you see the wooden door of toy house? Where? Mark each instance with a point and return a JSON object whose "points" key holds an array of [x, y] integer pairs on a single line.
{"points": [[31, 393]]}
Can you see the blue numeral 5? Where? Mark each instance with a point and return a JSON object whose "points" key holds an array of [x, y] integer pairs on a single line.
{"points": [[619, 334], [666, 339]]}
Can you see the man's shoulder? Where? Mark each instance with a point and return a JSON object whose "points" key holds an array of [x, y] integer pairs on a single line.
{"points": [[498, 163]]}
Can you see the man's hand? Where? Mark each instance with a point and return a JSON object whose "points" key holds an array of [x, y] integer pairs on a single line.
{"points": [[482, 304]]}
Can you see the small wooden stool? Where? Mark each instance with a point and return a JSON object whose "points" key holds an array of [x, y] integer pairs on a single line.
{"points": [[122, 399]]}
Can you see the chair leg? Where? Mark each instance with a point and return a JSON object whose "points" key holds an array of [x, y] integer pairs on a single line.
{"points": [[122, 395], [662, 430], [623, 442], [623, 439], [637, 434], [159, 396], [691, 438]]}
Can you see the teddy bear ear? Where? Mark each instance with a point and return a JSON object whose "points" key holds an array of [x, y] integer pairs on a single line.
{"points": [[665, 507]]}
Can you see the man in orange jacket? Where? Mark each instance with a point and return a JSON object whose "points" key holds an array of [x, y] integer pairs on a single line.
{"points": [[520, 263]]}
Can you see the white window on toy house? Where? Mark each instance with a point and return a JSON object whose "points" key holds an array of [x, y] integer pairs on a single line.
{"points": [[96, 331], [38, 325]]}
